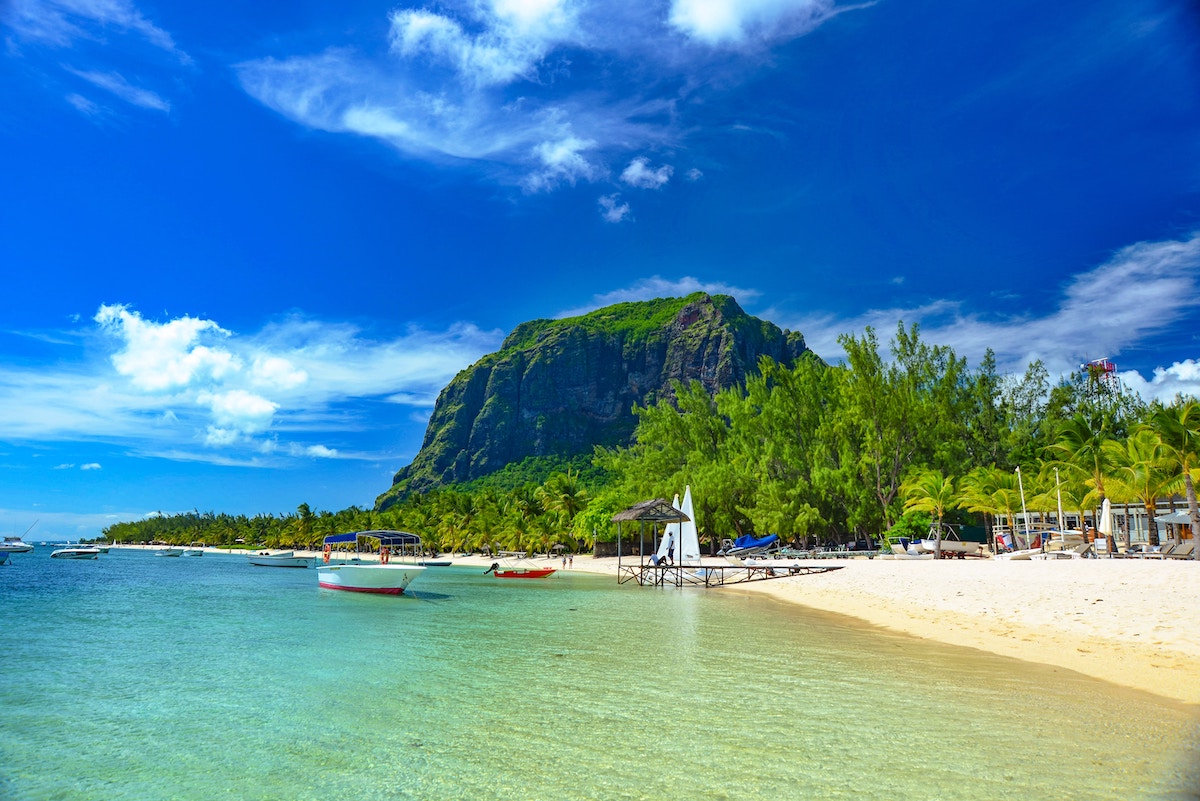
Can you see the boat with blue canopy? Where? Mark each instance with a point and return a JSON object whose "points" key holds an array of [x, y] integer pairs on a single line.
{"points": [[391, 575]]}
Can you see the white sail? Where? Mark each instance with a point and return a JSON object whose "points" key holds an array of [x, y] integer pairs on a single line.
{"points": [[670, 537], [687, 551], [681, 536]]}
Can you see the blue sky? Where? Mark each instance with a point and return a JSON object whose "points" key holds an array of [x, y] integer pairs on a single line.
{"points": [[244, 245]]}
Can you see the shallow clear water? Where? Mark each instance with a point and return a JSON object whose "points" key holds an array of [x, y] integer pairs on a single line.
{"points": [[136, 677]]}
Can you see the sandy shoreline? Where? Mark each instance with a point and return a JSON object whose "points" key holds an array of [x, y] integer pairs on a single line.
{"points": [[1131, 622]]}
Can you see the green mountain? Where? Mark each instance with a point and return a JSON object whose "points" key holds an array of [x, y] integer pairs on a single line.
{"points": [[556, 388]]}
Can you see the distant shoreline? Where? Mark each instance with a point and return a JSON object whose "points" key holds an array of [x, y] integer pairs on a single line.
{"points": [[1126, 621]]}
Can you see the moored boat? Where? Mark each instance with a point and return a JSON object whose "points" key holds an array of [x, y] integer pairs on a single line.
{"points": [[278, 559], [169, 552], [193, 552], [385, 577], [15, 545], [76, 552], [514, 565]]}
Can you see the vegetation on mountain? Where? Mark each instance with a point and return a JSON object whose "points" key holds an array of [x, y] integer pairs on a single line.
{"points": [[558, 388]]}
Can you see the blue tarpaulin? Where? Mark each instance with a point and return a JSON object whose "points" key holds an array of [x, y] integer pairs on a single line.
{"points": [[748, 541]]}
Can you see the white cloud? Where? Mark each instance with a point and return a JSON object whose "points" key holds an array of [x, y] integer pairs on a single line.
{"points": [[90, 466], [117, 84], [638, 174], [562, 162], [657, 287], [1141, 291], [239, 410], [611, 210], [514, 37], [693, 174], [507, 85], [731, 22], [169, 388], [63, 466], [163, 356], [273, 371]]}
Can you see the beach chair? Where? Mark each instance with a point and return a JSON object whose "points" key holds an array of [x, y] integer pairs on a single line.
{"points": [[1162, 553], [1184, 551]]}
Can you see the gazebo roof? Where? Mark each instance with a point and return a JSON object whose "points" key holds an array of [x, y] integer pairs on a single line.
{"points": [[654, 511]]}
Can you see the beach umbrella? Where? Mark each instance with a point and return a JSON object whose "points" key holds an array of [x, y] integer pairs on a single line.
{"points": [[1106, 526]]}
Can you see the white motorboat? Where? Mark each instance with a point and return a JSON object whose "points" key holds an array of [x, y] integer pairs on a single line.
{"points": [[15, 545], [911, 552], [384, 577], [278, 559], [76, 552], [169, 552], [193, 552]]}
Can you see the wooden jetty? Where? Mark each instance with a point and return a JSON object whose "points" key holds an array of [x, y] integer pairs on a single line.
{"points": [[715, 574]]}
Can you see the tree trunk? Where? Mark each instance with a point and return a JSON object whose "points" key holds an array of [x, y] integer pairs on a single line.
{"points": [[1152, 524], [1195, 512]]}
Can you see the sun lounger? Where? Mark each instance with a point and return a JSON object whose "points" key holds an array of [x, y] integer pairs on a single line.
{"points": [[1184, 551]]}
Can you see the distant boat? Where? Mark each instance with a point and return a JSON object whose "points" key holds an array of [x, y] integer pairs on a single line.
{"points": [[76, 552], [384, 577], [279, 559], [514, 565], [193, 552], [169, 552], [15, 545]]}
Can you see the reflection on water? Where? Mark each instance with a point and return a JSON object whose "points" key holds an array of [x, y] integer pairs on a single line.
{"points": [[141, 678]]}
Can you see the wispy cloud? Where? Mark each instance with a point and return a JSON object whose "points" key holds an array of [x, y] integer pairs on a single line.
{"points": [[117, 84], [62, 23], [611, 209], [1140, 292], [504, 84], [189, 388], [657, 287]]}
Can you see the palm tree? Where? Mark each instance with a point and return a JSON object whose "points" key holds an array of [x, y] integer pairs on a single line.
{"points": [[1142, 470], [1079, 450], [930, 491], [1179, 428]]}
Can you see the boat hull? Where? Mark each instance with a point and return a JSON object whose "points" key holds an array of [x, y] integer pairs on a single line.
{"points": [[524, 572], [953, 546], [278, 560], [76, 553], [169, 552], [379, 579]]}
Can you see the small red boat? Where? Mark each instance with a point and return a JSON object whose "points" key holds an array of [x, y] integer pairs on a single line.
{"points": [[518, 570]]}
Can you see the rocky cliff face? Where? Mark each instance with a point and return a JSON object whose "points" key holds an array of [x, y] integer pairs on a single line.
{"points": [[559, 387]]}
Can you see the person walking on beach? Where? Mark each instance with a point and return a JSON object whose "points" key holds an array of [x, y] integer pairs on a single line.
{"points": [[671, 548], [571, 560]]}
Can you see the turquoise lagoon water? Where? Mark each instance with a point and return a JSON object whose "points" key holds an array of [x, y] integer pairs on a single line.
{"points": [[135, 677]]}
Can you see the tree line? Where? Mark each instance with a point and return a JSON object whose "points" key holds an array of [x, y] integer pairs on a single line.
{"points": [[812, 452]]}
